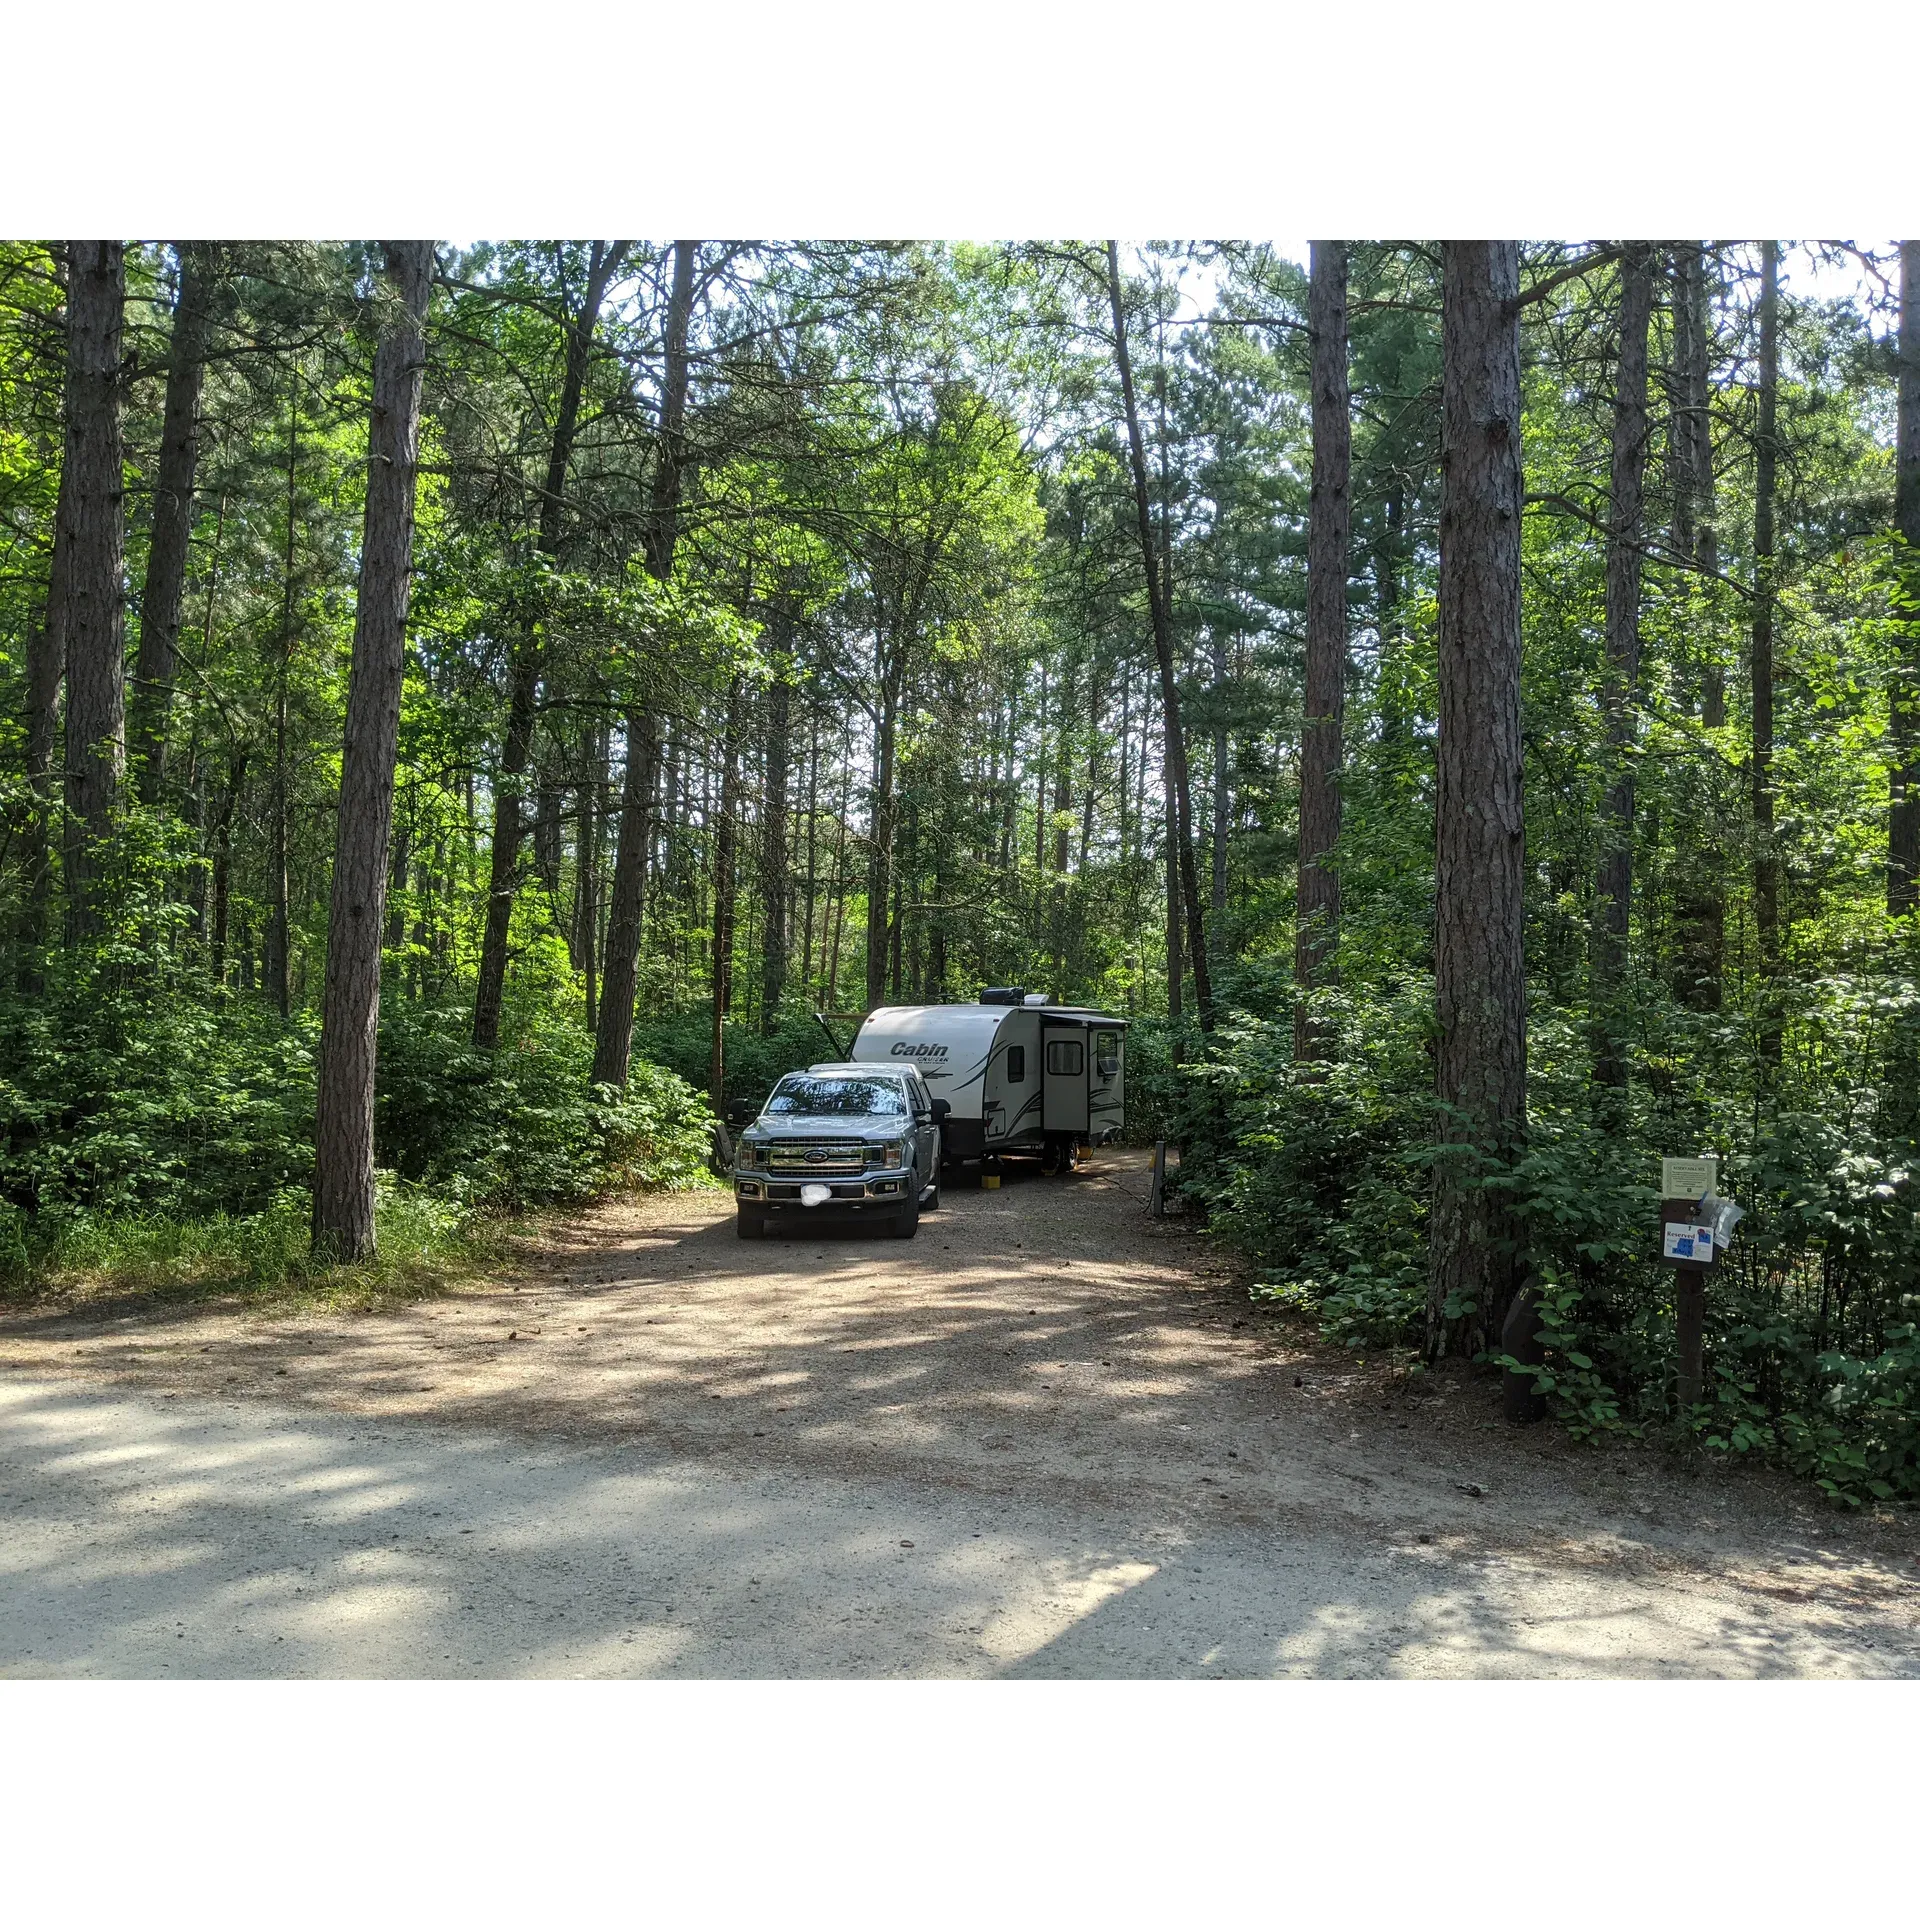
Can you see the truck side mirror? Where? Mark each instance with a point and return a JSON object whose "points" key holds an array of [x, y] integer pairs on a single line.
{"points": [[740, 1113], [940, 1111]]}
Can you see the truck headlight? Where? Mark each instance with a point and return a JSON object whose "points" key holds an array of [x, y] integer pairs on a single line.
{"points": [[887, 1155]]}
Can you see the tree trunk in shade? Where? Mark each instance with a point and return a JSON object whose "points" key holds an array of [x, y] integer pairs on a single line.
{"points": [[523, 677], [1766, 865], [1903, 825], [726, 841], [1179, 787], [613, 1038], [343, 1189], [1317, 901], [1479, 959], [94, 503], [160, 602], [1621, 686], [1702, 914], [46, 669], [774, 878]]}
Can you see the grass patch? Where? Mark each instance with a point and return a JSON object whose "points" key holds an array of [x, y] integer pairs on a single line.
{"points": [[261, 1260]]}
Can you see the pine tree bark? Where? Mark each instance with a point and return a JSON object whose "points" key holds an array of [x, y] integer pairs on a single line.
{"points": [[773, 838], [343, 1186], [883, 822], [1903, 824], [1329, 512], [523, 679], [1479, 956], [1180, 791], [46, 669], [161, 600], [275, 946], [1222, 782], [94, 601], [1702, 945], [613, 1039], [726, 842], [1766, 867], [1626, 528]]}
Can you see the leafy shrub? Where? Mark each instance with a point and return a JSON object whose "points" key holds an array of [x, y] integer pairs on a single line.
{"points": [[129, 1083], [521, 1126], [1318, 1171]]}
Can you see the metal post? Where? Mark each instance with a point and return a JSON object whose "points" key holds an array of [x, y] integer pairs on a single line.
{"points": [[1689, 1306]]}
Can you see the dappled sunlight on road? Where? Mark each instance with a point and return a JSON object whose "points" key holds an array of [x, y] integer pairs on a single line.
{"points": [[201, 1540]]}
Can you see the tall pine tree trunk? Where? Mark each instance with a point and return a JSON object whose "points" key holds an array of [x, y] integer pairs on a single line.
{"points": [[773, 840], [343, 1191], [96, 527], [523, 679], [1703, 912], [726, 846], [1317, 900], [613, 1038], [46, 669], [1222, 781], [1480, 983], [1903, 825], [883, 821], [1620, 691], [160, 602], [1179, 787], [274, 949], [1766, 862]]}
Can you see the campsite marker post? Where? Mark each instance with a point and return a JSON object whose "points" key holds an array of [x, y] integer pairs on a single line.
{"points": [[1687, 1240]]}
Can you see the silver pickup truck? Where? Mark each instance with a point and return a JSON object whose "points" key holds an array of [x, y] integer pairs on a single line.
{"points": [[844, 1139]]}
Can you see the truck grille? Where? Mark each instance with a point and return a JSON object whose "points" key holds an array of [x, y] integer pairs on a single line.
{"points": [[818, 1157]]}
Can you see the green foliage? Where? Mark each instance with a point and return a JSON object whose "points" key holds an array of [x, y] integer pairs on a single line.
{"points": [[129, 1084], [1320, 1174], [521, 1126]]}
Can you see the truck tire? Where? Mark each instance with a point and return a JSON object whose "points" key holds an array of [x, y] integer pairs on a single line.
{"points": [[906, 1223], [751, 1221]]}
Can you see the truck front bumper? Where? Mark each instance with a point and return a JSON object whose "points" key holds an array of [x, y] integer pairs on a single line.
{"points": [[844, 1193]]}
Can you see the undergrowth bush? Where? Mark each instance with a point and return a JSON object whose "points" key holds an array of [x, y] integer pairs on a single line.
{"points": [[1812, 1346], [158, 1127]]}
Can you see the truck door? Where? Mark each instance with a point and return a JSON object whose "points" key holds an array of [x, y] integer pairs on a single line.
{"points": [[1063, 1052]]}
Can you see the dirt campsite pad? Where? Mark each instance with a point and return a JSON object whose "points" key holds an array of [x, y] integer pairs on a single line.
{"points": [[1046, 1436]]}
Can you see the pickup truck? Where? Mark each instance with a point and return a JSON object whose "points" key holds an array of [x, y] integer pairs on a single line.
{"points": [[847, 1139]]}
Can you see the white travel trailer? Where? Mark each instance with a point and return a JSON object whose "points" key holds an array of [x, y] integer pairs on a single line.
{"points": [[1018, 1076]]}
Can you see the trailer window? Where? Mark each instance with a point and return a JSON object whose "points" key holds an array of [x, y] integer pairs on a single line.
{"points": [[1066, 1056], [1106, 1054], [1016, 1063]]}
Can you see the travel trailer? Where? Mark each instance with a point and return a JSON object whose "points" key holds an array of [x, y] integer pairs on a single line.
{"points": [[1019, 1076]]}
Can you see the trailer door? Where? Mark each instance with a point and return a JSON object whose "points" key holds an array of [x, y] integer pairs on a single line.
{"points": [[1107, 1101], [1064, 1063]]}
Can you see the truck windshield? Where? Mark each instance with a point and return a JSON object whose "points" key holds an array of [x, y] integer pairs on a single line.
{"points": [[802, 1093]]}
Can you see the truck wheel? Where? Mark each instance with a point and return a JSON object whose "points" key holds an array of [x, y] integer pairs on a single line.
{"points": [[906, 1223], [751, 1221]]}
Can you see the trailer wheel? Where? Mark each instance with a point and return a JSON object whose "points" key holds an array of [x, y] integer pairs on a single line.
{"points": [[1053, 1155]]}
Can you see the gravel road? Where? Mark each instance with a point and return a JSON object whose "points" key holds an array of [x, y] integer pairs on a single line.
{"points": [[1047, 1438]]}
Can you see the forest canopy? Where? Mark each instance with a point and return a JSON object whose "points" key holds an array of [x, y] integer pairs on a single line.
{"points": [[466, 710]]}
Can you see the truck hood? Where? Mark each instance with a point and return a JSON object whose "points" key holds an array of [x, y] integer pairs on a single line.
{"points": [[874, 1130]]}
